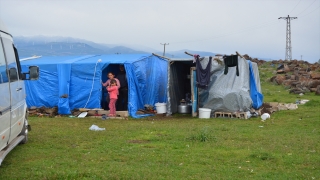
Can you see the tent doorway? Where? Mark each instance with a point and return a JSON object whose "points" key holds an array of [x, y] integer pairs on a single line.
{"points": [[180, 83], [120, 73]]}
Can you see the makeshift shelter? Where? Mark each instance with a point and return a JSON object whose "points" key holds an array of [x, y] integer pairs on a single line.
{"points": [[71, 82], [225, 92]]}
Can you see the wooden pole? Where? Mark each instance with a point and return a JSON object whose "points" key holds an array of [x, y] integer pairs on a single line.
{"points": [[161, 56], [188, 53], [239, 54]]}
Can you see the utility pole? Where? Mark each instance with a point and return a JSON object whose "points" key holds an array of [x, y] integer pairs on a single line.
{"points": [[164, 48], [288, 41]]}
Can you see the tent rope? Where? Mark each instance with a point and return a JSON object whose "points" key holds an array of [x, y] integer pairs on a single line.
{"points": [[94, 75]]}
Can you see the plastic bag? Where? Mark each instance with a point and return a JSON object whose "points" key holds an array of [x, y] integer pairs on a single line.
{"points": [[96, 128], [265, 116]]}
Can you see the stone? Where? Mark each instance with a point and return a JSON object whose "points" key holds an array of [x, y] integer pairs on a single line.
{"points": [[318, 90], [296, 91], [288, 83], [313, 83], [286, 68], [313, 89], [279, 79], [293, 77], [315, 75], [280, 71]]}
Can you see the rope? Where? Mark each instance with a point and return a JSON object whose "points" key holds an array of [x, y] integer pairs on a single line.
{"points": [[94, 74]]}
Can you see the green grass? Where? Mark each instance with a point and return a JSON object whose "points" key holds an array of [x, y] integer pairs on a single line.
{"points": [[284, 147], [170, 148]]}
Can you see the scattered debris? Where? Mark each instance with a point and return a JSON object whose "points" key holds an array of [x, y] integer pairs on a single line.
{"points": [[43, 111], [265, 116], [96, 128], [81, 113], [239, 115]]}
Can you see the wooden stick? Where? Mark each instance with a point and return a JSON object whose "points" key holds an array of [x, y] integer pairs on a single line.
{"points": [[161, 56], [218, 60], [188, 53], [239, 54]]}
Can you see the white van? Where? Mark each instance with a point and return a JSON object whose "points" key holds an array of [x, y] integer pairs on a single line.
{"points": [[13, 109]]}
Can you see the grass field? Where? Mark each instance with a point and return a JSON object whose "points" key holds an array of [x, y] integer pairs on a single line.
{"points": [[284, 147]]}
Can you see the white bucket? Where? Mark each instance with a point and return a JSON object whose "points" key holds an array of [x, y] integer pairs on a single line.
{"points": [[204, 113], [161, 108]]}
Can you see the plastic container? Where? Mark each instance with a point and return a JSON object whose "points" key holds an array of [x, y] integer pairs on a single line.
{"points": [[204, 113], [161, 108]]}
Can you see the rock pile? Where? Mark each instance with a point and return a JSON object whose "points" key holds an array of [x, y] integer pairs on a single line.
{"points": [[299, 76]]}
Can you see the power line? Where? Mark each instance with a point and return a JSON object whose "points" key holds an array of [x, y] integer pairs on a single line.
{"points": [[306, 8], [311, 11], [294, 7], [288, 37], [233, 32]]}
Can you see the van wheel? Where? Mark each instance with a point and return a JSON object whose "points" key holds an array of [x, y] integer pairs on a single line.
{"points": [[24, 132]]}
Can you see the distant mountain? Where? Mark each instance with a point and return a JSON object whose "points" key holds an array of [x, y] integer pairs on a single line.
{"points": [[62, 46], [182, 54], [124, 50], [57, 49]]}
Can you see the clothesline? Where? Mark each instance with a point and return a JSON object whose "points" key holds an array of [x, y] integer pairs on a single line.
{"points": [[231, 54]]}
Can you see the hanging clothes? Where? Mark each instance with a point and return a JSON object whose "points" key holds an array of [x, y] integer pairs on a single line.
{"points": [[203, 75], [230, 61], [195, 58]]}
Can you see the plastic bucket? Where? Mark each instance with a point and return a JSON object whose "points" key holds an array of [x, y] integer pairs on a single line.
{"points": [[204, 113], [161, 108]]}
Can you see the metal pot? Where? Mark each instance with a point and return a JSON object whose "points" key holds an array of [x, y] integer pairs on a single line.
{"points": [[183, 108]]}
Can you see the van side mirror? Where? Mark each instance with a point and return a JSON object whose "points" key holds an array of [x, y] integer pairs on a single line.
{"points": [[33, 72], [13, 74]]}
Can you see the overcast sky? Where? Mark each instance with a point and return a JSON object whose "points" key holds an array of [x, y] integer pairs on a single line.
{"points": [[221, 26]]}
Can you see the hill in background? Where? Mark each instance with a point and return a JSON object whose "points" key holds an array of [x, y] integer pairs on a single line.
{"points": [[63, 46]]}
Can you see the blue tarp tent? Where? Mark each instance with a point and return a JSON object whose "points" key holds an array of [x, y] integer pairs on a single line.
{"points": [[71, 82]]}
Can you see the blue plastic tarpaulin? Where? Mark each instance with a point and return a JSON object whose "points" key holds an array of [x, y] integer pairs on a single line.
{"points": [[256, 96], [72, 82]]}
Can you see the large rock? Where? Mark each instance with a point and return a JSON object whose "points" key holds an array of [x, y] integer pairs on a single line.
{"points": [[289, 82], [314, 67], [313, 83], [279, 79], [286, 68], [297, 91], [313, 89], [318, 90], [315, 75]]}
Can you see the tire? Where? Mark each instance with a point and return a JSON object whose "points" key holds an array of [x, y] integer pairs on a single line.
{"points": [[24, 132]]}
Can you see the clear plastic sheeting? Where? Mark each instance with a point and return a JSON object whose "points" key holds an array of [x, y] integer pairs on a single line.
{"points": [[71, 82]]}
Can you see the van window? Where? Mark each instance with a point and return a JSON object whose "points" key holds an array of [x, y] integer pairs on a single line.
{"points": [[3, 67], [11, 59]]}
